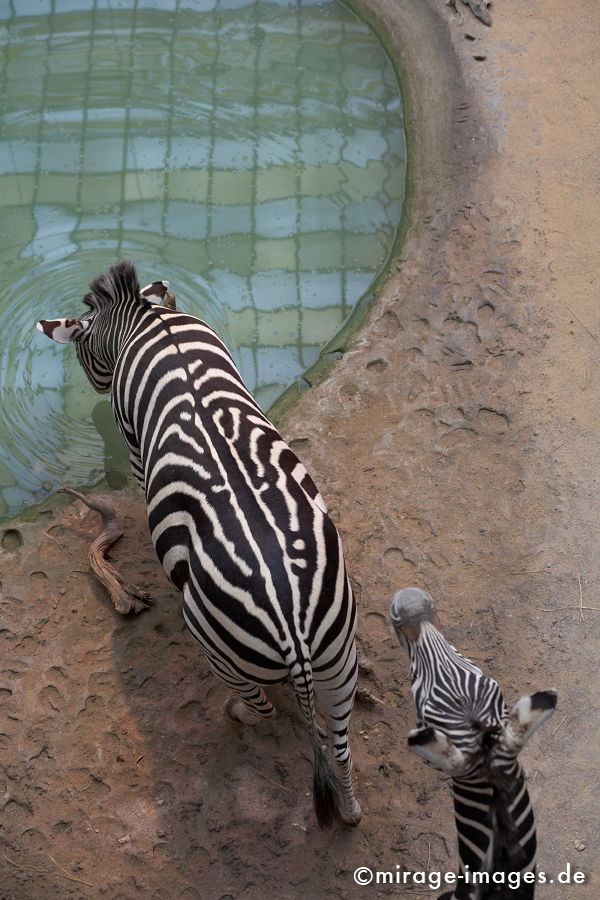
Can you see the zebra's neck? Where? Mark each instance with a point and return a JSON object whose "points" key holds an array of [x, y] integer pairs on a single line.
{"points": [[452, 693], [111, 332], [496, 833], [132, 319]]}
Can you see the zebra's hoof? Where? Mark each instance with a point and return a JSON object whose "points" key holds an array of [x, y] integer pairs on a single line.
{"points": [[352, 817], [237, 710]]}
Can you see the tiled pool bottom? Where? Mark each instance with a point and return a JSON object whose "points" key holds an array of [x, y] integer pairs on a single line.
{"points": [[250, 152]]}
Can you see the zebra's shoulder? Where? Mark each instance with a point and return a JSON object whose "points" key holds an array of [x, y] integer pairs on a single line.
{"points": [[181, 328], [176, 318]]}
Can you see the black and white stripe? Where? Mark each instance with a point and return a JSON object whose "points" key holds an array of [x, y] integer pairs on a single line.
{"points": [[236, 520], [466, 730]]}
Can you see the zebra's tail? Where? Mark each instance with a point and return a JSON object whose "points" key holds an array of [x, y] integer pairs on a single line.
{"points": [[325, 782], [326, 786]]}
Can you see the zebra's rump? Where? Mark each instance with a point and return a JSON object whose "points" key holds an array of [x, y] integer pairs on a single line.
{"points": [[243, 576]]}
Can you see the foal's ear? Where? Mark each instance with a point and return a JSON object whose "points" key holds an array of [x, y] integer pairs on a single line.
{"points": [[437, 749], [526, 716], [63, 331]]}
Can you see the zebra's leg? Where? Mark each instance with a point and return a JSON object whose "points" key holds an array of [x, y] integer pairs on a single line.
{"points": [[335, 698], [249, 704]]}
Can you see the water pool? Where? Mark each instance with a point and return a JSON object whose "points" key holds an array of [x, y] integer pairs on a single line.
{"points": [[252, 153]]}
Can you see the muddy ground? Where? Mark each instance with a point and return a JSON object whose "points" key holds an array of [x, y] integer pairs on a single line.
{"points": [[456, 444]]}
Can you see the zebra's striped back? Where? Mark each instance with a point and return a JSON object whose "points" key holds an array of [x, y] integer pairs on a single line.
{"points": [[466, 729], [236, 520]]}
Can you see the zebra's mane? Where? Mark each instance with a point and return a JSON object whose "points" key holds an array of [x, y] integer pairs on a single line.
{"points": [[117, 286]]}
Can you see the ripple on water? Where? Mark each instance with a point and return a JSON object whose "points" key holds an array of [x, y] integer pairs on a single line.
{"points": [[252, 153]]}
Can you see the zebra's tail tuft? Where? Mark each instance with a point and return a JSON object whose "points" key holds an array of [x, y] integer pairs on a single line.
{"points": [[325, 784]]}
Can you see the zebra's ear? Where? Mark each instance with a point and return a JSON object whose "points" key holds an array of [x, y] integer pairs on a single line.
{"points": [[437, 749], [158, 292], [63, 331], [526, 716]]}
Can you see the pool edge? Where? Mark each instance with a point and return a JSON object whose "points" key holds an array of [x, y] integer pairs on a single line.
{"points": [[417, 40]]}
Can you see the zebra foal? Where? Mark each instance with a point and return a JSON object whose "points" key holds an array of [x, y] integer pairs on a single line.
{"points": [[236, 521], [466, 730]]}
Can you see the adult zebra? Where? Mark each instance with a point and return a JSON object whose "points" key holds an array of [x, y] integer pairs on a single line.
{"points": [[465, 730], [236, 520]]}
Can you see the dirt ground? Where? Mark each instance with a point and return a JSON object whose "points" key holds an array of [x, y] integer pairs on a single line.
{"points": [[456, 444]]}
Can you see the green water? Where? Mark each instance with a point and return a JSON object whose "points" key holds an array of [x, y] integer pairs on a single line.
{"points": [[252, 153]]}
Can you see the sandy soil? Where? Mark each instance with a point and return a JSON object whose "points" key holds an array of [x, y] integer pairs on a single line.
{"points": [[456, 444]]}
